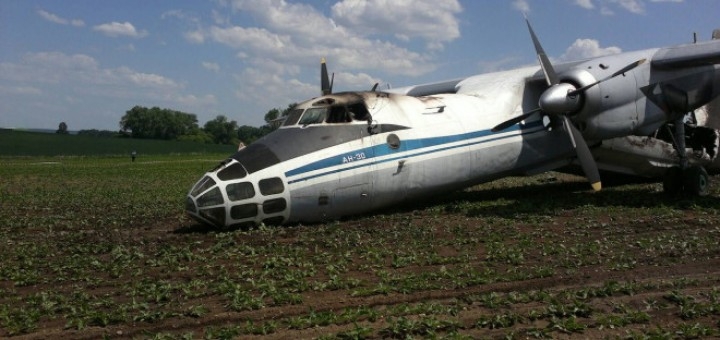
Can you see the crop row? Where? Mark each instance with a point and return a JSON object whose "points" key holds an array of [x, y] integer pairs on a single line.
{"points": [[103, 244]]}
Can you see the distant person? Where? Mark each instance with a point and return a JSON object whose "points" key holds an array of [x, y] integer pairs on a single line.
{"points": [[133, 155]]}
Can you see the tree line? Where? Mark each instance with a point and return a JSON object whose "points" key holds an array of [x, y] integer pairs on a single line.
{"points": [[157, 123]]}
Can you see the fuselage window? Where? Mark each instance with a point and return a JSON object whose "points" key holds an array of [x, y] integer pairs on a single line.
{"points": [[239, 212], [313, 116], [293, 117], [240, 191], [271, 186], [274, 206]]}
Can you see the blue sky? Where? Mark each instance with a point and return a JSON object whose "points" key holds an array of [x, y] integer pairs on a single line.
{"points": [[86, 62]]}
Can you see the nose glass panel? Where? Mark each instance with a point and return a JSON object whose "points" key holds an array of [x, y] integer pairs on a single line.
{"points": [[234, 171], [202, 185], [214, 214], [274, 206], [230, 195], [240, 191], [244, 211], [212, 197]]}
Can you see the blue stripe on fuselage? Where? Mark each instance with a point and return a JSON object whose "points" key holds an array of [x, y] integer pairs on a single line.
{"points": [[410, 145]]}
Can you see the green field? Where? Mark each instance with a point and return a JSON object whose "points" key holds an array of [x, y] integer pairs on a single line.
{"points": [[99, 247], [21, 143]]}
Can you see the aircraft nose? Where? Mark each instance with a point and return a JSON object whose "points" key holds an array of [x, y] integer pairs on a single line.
{"points": [[228, 196], [205, 202]]}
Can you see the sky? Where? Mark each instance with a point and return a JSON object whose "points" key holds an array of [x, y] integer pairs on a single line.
{"points": [[87, 62]]}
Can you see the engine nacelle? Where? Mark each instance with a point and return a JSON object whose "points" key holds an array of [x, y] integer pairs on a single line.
{"points": [[610, 108]]}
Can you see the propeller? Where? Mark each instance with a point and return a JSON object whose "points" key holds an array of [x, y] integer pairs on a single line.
{"points": [[561, 99], [508, 123], [326, 83]]}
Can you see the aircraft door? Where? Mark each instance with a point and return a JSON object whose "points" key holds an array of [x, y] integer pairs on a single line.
{"points": [[392, 170], [354, 191]]}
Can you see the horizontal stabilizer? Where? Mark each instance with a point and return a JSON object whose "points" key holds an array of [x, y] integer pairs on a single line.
{"points": [[691, 55]]}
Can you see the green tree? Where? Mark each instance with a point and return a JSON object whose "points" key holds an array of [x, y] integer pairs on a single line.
{"points": [[62, 129], [272, 115], [157, 123], [248, 134], [221, 130]]}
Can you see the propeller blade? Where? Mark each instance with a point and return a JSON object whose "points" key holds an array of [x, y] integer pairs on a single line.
{"points": [[508, 123], [325, 85], [587, 162], [619, 72], [628, 68], [550, 75]]}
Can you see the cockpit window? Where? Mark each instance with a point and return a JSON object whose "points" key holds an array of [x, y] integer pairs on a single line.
{"points": [[339, 114], [358, 111], [313, 116], [330, 111], [293, 117], [347, 113]]}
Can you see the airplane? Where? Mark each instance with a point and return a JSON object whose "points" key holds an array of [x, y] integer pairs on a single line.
{"points": [[349, 153]]}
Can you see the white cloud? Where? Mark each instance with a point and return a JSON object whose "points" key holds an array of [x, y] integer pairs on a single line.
{"points": [[299, 34], [256, 39], [352, 81], [434, 21], [181, 15], [498, 65], [211, 66], [20, 90], [199, 102], [521, 5], [632, 6], [116, 29], [266, 89], [604, 10], [58, 20], [586, 4], [149, 80], [195, 37], [77, 85], [587, 48]]}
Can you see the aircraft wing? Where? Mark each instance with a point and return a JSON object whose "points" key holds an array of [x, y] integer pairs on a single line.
{"points": [[690, 55]]}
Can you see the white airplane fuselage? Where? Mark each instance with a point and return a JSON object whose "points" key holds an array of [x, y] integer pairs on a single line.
{"points": [[403, 147]]}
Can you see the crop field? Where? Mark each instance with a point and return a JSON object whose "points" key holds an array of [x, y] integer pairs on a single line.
{"points": [[94, 247], [24, 143]]}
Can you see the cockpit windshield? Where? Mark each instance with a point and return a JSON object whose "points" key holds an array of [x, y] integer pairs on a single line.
{"points": [[293, 117], [329, 111], [313, 116]]}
